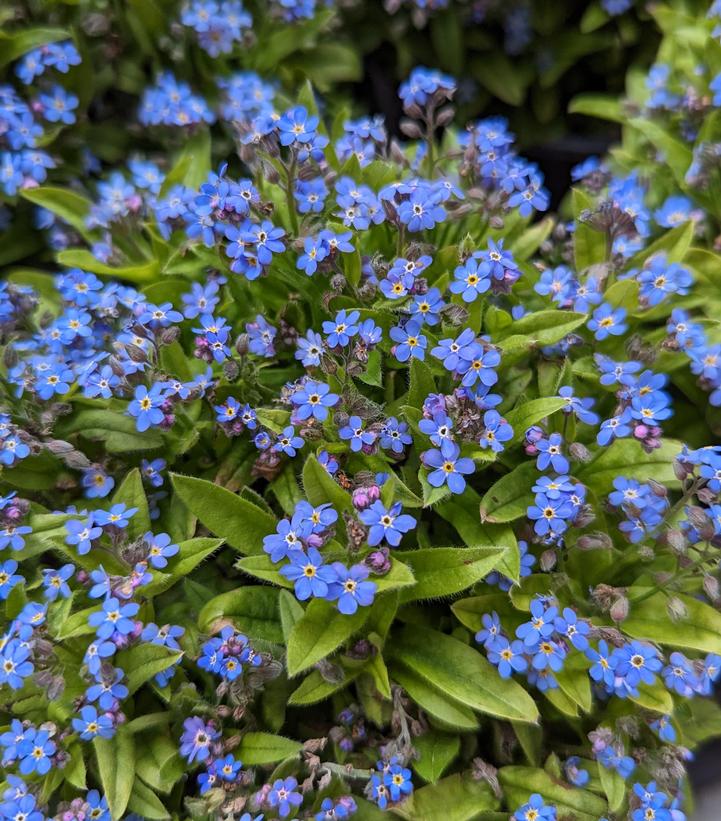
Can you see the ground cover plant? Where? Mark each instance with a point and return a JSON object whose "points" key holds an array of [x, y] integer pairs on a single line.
{"points": [[339, 477]]}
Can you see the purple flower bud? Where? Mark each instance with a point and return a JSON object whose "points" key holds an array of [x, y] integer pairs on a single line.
{"points": [[378, 561]]}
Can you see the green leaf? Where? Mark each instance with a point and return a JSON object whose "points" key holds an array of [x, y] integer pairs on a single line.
{"points": [[462, 672], [132, 493], [614, 786], [509, 497], [699, 628], [116, 768], [530, 413], [503, 78], [252, 610], [603, 106], [291, 611], [589, 245], [438, 704], [143, 661], [320, 631], [71, 207], [545, 327], [315, 688], [190, 554], [574, 681], [654, 697], [266, 748], [117, 432], [464, 516], [676, 155], [239, 522], [15, 44], [455, 798], [529, 241], [626, 457], [146, 803], [261, 567], [139, 273], [519, 782], [445, 571], [470, 611], [436, 750], [158, 762], [320, 487], [421, 384]]}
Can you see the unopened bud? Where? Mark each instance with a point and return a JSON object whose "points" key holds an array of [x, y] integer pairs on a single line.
{"points": [[445, 116], [496, 222], [241, 344], [579, 452], [619, 609], [676, 541], [169, 335], [548, 560], [411, 129], [676, 609], [231, 369], [711, 588], [594, 541]]}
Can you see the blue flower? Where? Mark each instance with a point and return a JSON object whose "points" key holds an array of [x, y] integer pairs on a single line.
{"points": [[356, 435], [471, 279], [310, 349], [541, 625], [637, 663], [390, 525], [313, 399], [296, 126], [91, 725], [8, 578], [496, 431], [491, 631], [146, 406], [398, 780], [449, 467], [452, 351], [114, 618], [108, 690], [551, 455], [160, 549], [97, 483], [411, 344], [82, 534], [394, 435], [288, 442], [438, 428], [535, 810], [574, 772], [679, 676], [550, 515], [548, 654], [197, 738], [426, 308], [55, 582], [617, 427], [94, 654], [477, 365], [98, 806], [290, 535], [35, 752], [507, 656], [284, 795], [118, 516], [351, 589], [607, 322], [574, 630], [341, 329], [310, 575]]}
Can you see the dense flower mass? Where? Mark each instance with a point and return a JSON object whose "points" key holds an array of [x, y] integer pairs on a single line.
{"points": [[338, 476]]}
